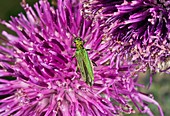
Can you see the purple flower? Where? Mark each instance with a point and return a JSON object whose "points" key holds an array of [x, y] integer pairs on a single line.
{"points": [[38, 71], [139, 28]]}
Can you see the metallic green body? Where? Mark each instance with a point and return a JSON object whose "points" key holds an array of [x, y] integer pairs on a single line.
{"points": [[84, 63]]}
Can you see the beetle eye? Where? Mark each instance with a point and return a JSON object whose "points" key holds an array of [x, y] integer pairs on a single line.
{"points": [[75, 40]]}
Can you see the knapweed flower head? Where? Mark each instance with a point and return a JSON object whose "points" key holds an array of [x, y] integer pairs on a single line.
{"points": [[139, 28], [38, 71]]}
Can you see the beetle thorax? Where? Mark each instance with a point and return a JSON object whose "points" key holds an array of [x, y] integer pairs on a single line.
{"points": [[79, 43]]}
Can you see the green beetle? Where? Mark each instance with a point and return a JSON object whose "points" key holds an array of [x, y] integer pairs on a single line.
{"points": [[83, 61]]}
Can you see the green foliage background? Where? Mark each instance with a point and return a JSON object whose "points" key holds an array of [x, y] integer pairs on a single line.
{"points": [[161, 82]]}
